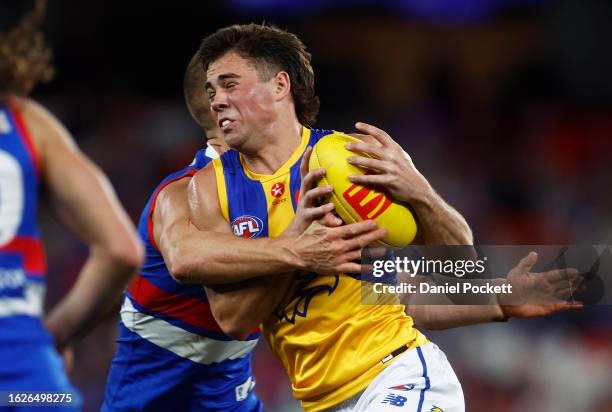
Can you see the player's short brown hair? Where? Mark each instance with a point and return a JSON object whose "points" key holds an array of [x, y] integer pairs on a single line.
{"points": [[25, 59], [272, 50]]}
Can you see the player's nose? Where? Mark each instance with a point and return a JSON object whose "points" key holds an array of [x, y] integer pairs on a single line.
{"points": [[219, 102]]}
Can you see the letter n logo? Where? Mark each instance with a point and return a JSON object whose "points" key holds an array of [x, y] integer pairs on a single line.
{"points": [[356, 196]]}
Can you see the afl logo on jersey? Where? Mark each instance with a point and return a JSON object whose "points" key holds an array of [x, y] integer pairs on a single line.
{"points": [[247, 226], [277, 189]]}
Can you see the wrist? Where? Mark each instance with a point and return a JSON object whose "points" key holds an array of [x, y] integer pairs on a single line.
{"points": [[503, 310], [424, 199], [289, 255]]}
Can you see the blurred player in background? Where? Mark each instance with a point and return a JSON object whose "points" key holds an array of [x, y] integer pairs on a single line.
{"points": [[172, 353], [260, 84], [36, 151]]}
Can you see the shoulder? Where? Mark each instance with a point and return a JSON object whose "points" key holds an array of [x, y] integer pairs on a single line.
{"points": [[203, 184], [40, 121], [45, 130], [175, 190]]}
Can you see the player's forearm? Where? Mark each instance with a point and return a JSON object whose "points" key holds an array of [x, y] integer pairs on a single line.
{"points": [[96, 292], [438, 317], [440, 223], [239, 310], [212, 258]]}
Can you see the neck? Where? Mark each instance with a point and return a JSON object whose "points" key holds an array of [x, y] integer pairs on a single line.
{"points": [[280, 140]]}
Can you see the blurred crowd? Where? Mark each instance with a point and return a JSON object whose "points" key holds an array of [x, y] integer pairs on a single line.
{"points": [[509, 116]]}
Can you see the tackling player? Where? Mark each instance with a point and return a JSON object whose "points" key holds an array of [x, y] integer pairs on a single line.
{"points": [[338, 353], [172, 353], [36, 151]]}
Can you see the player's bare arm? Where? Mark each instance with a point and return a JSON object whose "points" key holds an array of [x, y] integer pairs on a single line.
{"points": [[86, 203], [220, 257], [439, 223], [213, 255]]}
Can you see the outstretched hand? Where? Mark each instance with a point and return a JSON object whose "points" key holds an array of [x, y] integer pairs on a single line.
{"points": [[538, 294]]}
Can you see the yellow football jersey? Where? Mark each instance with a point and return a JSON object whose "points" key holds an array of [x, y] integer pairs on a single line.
{"points": [[330, 344]]}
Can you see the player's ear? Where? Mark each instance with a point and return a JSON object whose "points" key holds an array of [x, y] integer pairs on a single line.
{"points": [[282, 85]]}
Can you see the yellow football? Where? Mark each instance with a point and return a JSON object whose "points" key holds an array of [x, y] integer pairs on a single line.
{"points": [[354, 203]]}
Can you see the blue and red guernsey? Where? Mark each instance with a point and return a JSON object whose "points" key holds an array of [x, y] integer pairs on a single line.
{"points": [[170, 343], [22, 258]]}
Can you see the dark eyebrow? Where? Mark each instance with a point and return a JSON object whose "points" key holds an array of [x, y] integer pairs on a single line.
{"points": [[221, 78]]}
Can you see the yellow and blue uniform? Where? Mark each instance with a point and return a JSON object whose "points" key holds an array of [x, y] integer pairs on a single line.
{"points": [[330, 344]]}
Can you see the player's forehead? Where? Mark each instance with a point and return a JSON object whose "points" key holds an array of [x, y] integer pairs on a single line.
{"points": [[230, 65]]}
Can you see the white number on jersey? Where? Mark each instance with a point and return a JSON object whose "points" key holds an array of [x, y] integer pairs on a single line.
{"points": [[5, 125], [11, 197]]}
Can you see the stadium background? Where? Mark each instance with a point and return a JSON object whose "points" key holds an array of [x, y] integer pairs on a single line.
{"points": [[505, 105]]}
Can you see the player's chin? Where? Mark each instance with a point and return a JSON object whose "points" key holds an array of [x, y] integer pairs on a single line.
{"points": [[232, 137]]}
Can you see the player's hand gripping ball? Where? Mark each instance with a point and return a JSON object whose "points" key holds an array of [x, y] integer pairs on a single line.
{"points": [[354, 203]]}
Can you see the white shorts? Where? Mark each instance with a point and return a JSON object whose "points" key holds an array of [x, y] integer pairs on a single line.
{"points": [[418, 380]]}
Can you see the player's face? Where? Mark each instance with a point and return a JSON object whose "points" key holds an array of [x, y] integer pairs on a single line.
{"points": [[200, 112], [242, 104]]}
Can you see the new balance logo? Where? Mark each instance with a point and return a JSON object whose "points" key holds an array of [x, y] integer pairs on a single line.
{"points": [[395, 400]]}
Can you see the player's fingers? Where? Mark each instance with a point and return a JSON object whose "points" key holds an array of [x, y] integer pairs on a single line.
{"points": [[305, 161], [375, 151], [313, 194], [369, 179], [368, 163], [561, 275], [376, 252], [564, 306], [528, 261], [375, 132], [356, 229], [349, 267], [316, 213], [311, 178], [330, 220], [351, 255], [359, 136], [361, 241]]}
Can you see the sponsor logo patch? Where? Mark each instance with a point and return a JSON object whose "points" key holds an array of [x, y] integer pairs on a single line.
{"points": [[277, 189], [247, 226], [395, 400], [406, 387]]}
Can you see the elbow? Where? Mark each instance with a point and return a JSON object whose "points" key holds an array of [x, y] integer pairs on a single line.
{"points": [[236, 333], [128, 254], [180, 266], [233, 322]]}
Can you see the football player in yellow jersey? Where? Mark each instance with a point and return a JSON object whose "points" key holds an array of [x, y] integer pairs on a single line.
{"points": [[340, 355], [261, 88]]}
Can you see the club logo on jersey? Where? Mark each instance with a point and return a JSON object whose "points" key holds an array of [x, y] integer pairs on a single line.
{"points": [[407, 387], [372, 208], [436, 409], [304, 293], [395, 400], [247, 226], [277, 189]]}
